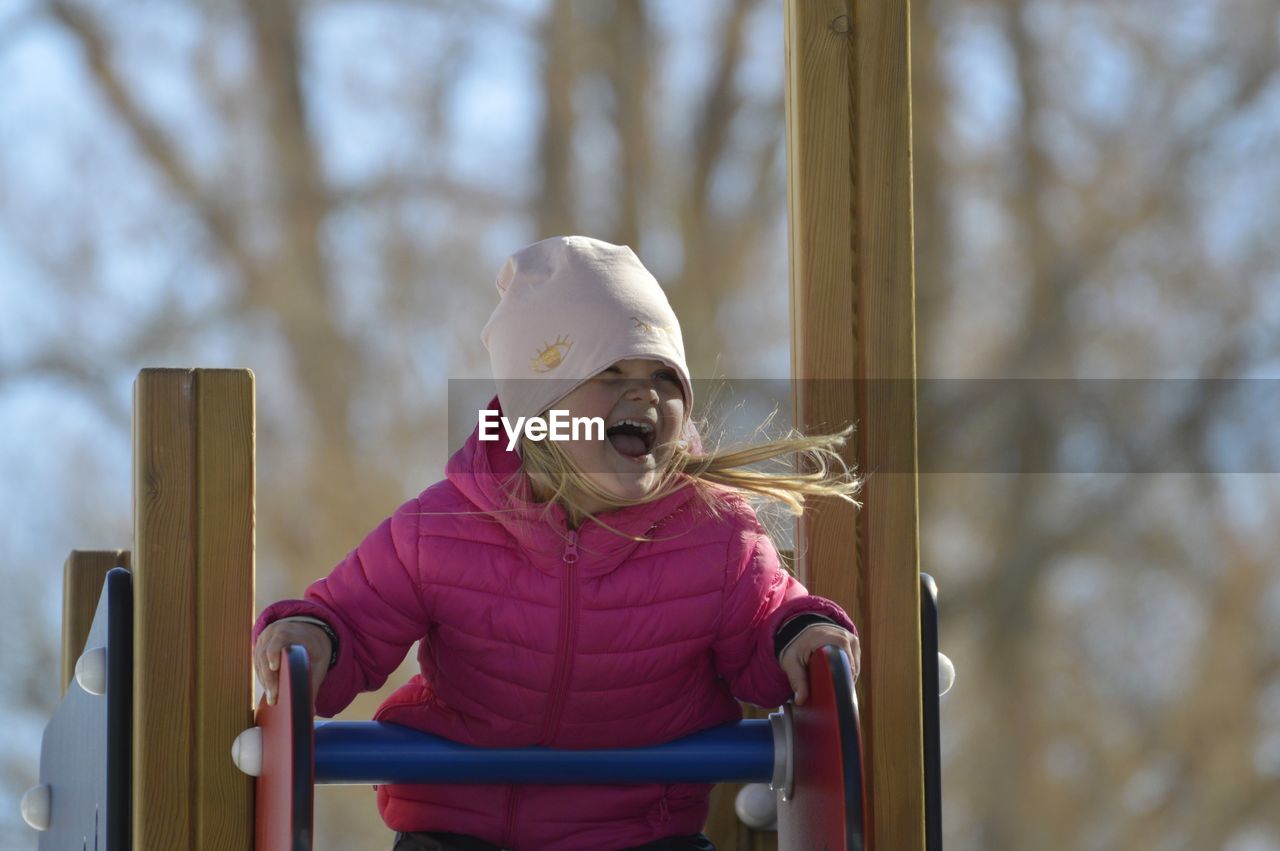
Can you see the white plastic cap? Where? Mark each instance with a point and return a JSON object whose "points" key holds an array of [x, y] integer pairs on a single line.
{"points": [[757, 806], [35, 806], [246, 751], [91, 671], [946, 675]]}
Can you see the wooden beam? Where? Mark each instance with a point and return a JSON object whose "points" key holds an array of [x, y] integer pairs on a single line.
{"points": [[82, 576], [224, 604], [853, 348], [164, 607], [193, 607]]}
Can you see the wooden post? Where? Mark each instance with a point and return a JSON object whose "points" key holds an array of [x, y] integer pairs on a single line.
{"points": [[853, 360], [193, 607], [82, 576]]}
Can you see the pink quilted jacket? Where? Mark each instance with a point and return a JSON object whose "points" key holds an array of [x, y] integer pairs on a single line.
{"points": [[535, 634]]}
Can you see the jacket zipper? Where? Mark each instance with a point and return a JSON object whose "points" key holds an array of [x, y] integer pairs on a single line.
{"points": [[570, 558], [559, 683]]}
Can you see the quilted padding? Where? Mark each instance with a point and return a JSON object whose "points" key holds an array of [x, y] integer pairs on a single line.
{"points": [[634, 643]]}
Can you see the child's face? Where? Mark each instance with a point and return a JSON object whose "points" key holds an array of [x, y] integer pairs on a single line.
{"points": [[625, 465]]}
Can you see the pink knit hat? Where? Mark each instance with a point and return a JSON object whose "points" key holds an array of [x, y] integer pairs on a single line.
{"points": [[572, 306]]}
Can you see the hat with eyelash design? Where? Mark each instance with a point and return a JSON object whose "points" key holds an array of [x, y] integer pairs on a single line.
{"points": [[570, 307]]}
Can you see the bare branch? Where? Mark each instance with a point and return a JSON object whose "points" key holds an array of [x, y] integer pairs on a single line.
{"points": [[554, 209], [720, 103], [630, 79], [399, 188], [160, 151]]}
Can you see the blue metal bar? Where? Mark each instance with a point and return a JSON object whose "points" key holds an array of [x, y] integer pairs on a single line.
{"points": [[372, 752]]}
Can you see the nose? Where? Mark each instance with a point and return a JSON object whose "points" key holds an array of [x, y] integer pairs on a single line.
{"points": [[641, 390]]}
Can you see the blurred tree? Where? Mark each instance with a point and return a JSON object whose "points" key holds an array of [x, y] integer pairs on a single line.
{"points": [[1065, 232], [312, 189]]}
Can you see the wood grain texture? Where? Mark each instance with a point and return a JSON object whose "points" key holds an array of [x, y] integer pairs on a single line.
{"points": [[164, 784], [853, 345], [193, 585], [82, 576], [224, 501], [890, 556]]}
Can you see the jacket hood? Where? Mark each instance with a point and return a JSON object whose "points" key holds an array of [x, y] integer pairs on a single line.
{"points": [[492, 478]]}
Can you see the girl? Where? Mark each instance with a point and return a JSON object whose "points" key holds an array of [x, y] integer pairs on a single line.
{"points": [[572, 594]]}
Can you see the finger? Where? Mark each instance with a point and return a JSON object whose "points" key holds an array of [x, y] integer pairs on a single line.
{"points": [[260, 668], [271, 682], [266, 675], [317, 680], [798, 679]]}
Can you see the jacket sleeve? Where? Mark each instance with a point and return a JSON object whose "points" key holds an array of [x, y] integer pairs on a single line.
{"points": [[759, 597], [373, 601]]}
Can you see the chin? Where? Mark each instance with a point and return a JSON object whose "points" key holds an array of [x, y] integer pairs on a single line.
{"points": [[623, 484], [620, 486], [633, 486]]}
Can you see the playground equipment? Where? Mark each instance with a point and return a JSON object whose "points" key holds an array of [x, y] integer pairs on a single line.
{"points": [[125, 735], [191, 687], [85, 759], [811, 756]]}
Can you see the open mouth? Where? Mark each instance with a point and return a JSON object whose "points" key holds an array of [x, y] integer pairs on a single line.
{"points": [[632, 438]]}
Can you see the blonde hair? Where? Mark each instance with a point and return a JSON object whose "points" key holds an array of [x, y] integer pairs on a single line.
{"points": [[819, 471]]}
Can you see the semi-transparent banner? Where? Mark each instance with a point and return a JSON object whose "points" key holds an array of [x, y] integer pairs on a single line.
{"points": [[988, 425]]}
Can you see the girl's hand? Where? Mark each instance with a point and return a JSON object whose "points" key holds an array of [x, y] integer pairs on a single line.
{"points": [[795, 659], [271, 644]]}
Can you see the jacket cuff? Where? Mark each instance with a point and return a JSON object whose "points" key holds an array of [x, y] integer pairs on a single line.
{"points": [[341, 683], [791, 630], [805, 604]]}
